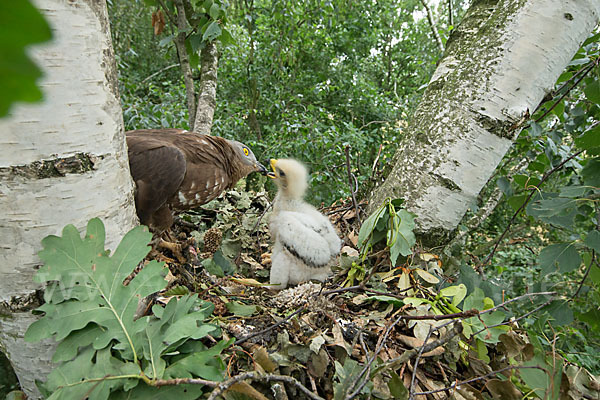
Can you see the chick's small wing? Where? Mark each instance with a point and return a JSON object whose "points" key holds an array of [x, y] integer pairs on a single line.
{"points": [[303, 236]]}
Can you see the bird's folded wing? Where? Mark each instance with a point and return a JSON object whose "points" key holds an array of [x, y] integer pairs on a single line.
{"points": [[302, 236], [158, 170]]}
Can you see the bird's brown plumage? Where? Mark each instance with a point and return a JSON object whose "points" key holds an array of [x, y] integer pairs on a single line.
{"points": [[175, 170]]}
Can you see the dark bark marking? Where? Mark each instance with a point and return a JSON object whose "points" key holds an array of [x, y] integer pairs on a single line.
{"points": [[79, 163]]}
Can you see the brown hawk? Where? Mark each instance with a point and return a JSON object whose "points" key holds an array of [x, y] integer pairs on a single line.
{"points": [[176, 170]]}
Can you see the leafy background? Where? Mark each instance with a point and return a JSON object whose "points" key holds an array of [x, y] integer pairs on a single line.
{"points": [[306, 80]]}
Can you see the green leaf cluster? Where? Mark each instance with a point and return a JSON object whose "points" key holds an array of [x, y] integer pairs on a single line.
{"points": [[103, 351], [21, 25], [392, 223], [301, 79], [561, 182], [389, 224]]}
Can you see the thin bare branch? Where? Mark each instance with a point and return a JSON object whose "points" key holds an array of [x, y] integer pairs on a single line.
{"points": [[493, 373], [351, 181], [414, 374], [534, 190], [159, 72], [269, 328], [436, 35], [255, 376]]}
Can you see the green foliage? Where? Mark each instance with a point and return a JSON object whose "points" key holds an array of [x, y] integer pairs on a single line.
{"points": [[346, 377], [561, 220], [301, 80], [396, 226], [102, 350], [239, 216], [21, 25], [389, 224], [206, 23]]}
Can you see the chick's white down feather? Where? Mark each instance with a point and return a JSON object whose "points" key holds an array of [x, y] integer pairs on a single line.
{"points": [[305, 241]]}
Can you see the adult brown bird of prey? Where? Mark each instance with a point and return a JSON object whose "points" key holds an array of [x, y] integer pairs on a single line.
{"points": [[176, 170]]}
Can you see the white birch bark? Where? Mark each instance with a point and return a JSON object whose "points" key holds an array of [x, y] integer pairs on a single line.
{"points": [[207, 96], [62, 161], [498, 65]]}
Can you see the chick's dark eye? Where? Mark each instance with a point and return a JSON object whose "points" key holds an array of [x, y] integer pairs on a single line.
{"points": [[281, 173]]}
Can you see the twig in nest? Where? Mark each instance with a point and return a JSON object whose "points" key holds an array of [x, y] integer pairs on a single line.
{"points": [[267, 329], [426, 347], [414, 374], [363, 377], [184, 223], [255, 376], [376, 161], [352, 180], [457, 384]]}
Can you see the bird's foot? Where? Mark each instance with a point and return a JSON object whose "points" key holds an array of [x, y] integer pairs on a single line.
{"points": [[174, 248], [265, 259]]}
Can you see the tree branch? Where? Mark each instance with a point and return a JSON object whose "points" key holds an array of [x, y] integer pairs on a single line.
{"points": [[534, 190], [267, 329], [159, 72], [414, 373], [184, 60], [353, 183], [426, 347], [436, 35], [257, 377], [207, 96]]}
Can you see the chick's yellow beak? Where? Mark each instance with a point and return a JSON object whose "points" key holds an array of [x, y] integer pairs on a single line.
{"points": [[272, 174]]}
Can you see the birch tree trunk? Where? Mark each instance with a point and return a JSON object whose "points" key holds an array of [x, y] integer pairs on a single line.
{"points": [[498, 65], [62, 161], [207, 97]]}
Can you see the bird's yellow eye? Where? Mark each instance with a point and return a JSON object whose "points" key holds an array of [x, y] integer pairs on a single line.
{"points": [[246, 152]]}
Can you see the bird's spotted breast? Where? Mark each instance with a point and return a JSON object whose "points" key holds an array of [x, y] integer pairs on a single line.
{"points": [[182, 198]]}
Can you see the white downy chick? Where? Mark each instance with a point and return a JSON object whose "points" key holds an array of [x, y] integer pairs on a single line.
{"points": [[305, 241]]}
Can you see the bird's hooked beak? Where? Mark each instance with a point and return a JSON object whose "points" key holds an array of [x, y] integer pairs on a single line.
{"points": [[261, 168], [271, 174]]}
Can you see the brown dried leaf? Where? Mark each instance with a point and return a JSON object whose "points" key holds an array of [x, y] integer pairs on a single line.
{"points": [[265, 259], [158, 22], [251, 261], [262, 358], [430, 384], [504, 390], [350, 251], [338, 338], [318, 363], [170, 277], [513, 344], [410, 341], [381, 389], [248, 282], [353, 237], [245, 389]]}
